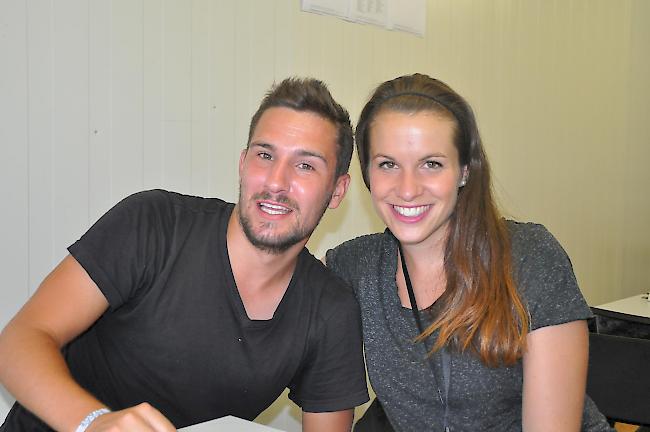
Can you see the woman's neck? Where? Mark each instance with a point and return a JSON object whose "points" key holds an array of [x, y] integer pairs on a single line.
{"points": [[425, 265]]}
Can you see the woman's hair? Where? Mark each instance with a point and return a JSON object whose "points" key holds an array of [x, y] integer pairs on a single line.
{"points": [[482, 310]]}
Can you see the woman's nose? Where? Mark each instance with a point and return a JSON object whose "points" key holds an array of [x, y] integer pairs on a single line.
{"points": [[409, 186]]}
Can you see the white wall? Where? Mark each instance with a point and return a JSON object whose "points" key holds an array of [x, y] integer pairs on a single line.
{"points": [[102, 98]]}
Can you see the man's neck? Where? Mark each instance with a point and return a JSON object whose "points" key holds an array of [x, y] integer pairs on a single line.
{"points": [[262, 277]]}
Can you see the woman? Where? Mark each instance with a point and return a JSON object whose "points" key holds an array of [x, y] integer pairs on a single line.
{"points": [[504, 345]]}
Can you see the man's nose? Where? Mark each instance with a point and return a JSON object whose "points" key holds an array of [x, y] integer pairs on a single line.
{"points": [[278, 177]]}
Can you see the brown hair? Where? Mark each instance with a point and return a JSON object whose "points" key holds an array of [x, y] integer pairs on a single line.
{"points": [[482, 310], [312, 95]]}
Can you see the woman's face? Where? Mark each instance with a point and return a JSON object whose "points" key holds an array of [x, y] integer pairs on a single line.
{"points": [[414, 174]]}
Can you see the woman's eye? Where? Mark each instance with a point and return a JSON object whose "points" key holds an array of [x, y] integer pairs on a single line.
{"points": [[433, 164], [387, 164]]}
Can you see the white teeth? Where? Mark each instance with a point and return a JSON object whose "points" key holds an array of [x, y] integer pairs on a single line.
{"points": [[411, 211], [273, 209]]}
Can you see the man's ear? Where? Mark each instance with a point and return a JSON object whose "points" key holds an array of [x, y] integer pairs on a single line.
{"points": [[341, 187], [242, 156]]}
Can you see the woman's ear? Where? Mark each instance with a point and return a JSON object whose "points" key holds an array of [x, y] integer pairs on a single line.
{"points": [[464, 176]]}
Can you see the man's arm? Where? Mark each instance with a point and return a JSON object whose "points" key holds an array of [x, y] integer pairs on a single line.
{"points": [[337, 421], [33, 369], [555, 376]]}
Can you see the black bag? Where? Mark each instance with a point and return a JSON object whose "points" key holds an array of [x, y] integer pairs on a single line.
{"points": [[374, 420]]}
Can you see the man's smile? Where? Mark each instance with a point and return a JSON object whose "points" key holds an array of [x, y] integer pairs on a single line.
{"points": [[273, 209]]}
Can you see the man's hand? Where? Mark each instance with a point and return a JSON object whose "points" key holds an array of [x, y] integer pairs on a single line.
{"points": [[139, 418]]}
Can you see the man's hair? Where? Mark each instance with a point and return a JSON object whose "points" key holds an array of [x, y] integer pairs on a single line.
{"points": [[311, 95]]}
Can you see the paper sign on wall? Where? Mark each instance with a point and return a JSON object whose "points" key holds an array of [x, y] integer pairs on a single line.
{"points": [[401, 15], [339, 8]]}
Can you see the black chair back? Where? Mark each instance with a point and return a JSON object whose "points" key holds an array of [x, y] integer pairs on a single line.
{"points": [[618, 379]]}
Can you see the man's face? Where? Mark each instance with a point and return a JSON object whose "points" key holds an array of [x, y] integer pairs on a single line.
{"points": [[287, 178]]}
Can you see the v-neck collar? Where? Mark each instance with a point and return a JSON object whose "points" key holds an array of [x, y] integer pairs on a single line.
{"points": [[231, 285]]}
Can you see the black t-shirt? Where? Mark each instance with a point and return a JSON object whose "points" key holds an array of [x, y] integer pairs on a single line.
{"points": [[176, 333]]}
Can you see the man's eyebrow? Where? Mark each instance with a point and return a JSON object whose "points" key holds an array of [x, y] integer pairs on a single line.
{"points": [[263, 145], [307, 153], [299, 152]]}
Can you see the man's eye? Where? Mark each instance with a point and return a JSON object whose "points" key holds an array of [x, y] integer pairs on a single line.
{"points": [[387, 164], [305, 166], [264, 155]]}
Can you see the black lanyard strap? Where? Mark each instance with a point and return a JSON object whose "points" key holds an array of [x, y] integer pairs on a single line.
{"points": [[446, 359]]}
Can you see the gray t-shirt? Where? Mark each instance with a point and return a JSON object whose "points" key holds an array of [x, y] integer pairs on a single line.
{"points": [[479, 398]]}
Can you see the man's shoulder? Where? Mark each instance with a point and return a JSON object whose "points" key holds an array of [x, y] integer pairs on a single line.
{"points": [[314, 271], [161, 200], [325, 284]]}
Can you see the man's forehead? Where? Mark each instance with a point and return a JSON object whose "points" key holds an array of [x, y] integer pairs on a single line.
{"points": [[281, 125]]}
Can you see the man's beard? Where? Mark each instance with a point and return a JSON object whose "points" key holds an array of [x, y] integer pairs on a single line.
{"points": [[271, 243]]}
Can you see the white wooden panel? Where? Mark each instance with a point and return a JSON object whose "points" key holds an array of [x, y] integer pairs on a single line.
{"points": [[224, 146], [201, 163], [242, 106], [285, 14], [177, 153], [636, 175], [260, 54], [153, 93], [126, 116], [14, 157], [100, 102], [40, 103], [177, 102], [70, 118], [359, 40]]}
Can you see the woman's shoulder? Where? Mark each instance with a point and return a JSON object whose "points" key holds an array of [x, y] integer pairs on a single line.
{"points": [[362, 244], [533, 239], [544, 276], [352, 256]]}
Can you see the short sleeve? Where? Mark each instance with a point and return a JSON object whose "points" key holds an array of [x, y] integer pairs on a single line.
{"points": [[351, 260], [335, 262], [333, 377], [122, 250], [544, 275]]}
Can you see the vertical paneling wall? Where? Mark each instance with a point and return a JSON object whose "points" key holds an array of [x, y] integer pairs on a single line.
{"points": [[102, 98]]}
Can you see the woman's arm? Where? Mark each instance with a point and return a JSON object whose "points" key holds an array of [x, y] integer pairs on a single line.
{"points": [[555, 377]]}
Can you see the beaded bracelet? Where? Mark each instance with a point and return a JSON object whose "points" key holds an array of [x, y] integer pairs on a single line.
{"points": [[91, 418]]}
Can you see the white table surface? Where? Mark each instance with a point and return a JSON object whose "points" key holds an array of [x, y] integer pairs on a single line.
{"points": [[635, 305], [229, 424]]}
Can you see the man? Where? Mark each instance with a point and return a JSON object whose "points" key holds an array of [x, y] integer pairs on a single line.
{"points": [[173, 310]]}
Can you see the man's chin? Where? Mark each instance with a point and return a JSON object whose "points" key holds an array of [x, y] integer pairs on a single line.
{"points": [[274, 243], [272, 238], [274, 246]]}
